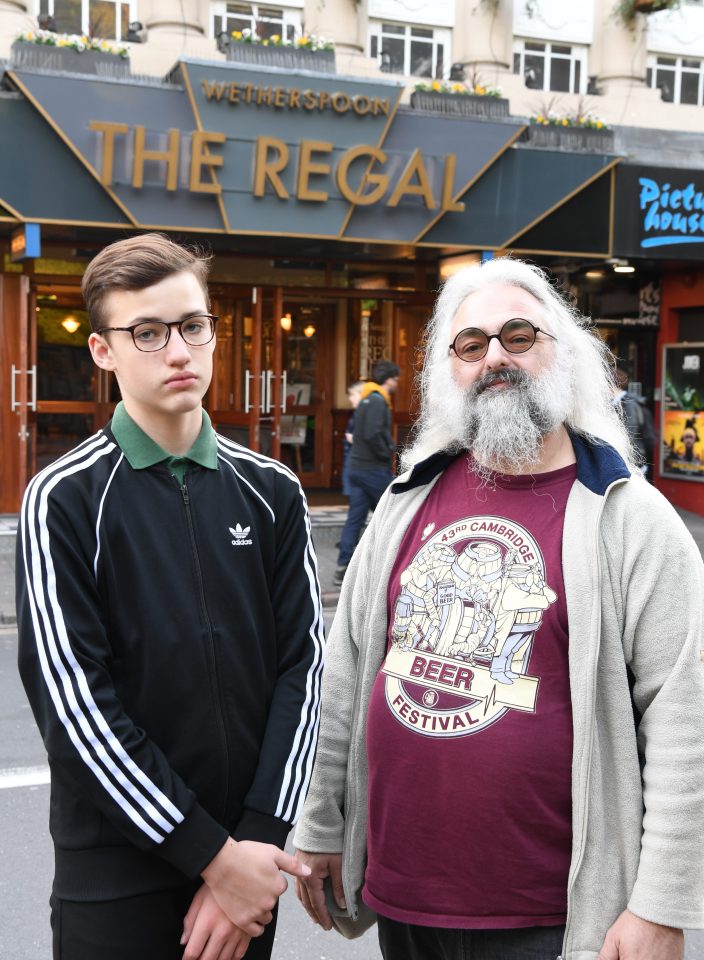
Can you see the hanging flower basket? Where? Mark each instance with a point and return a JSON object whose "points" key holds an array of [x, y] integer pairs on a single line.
{"points": [[459, 104], [627, 9]]}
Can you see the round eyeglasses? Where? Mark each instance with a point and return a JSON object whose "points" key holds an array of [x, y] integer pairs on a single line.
{"points": [[151, 335], [515, 336]]}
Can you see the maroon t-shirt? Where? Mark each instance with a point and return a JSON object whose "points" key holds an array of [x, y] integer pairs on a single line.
{"points": [[469, 731]]}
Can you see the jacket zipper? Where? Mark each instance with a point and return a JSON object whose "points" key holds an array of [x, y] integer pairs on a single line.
{"points": [[220, 711], [592, 719]]}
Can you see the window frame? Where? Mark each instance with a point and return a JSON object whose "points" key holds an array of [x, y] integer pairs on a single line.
{"points": [[441, 37], [677, 70], [291, 16], [47, 7], [579, 54]]}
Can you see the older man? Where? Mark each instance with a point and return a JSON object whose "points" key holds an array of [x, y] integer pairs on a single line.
{"points": [[511, 759]]}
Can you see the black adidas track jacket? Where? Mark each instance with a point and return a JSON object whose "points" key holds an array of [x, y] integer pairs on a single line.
{"points": [[171, 645]]}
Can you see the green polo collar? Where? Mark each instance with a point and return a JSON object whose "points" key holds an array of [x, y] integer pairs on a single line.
{"points": [[142, 452]]}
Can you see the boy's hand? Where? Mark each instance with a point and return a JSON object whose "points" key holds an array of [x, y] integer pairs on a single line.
{"points": [[209, 934], [245, 880]]}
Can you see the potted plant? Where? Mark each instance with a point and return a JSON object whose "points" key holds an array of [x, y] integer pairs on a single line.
{"points": [[308, 51], [71, 53], [571, 131], [472, 99], [626, 10]]}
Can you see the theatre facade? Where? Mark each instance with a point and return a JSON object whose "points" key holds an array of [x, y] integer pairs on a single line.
{"points": [[333, 211]]}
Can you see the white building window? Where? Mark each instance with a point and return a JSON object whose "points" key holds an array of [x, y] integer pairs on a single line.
{"points": [[551, 66], [679, 79], [411, 50], [264, 20], [104, 19]]}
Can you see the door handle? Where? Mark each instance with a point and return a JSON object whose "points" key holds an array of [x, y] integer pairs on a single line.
{"points": [[269, 393], [247, 404], [284, 385], [32, 402]]}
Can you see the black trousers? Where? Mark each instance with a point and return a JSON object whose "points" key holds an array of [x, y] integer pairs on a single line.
{"points": [[405, 941], [146, 927]]}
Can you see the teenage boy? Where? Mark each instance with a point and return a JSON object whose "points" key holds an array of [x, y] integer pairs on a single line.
{"points": [[170, 642]]}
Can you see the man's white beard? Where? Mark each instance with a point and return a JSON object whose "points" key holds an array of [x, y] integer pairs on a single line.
{"points": [[504, 427]]}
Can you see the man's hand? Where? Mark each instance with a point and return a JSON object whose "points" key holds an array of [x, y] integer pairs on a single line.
{"points": [[310, 889], [631, 938], [245, 880], [209, 934]]}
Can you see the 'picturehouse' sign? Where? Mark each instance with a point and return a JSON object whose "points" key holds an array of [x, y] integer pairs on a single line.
{"points": [[659, 212]]}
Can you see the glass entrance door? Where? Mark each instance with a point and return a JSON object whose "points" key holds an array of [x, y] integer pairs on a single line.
{"points": [[272, 383], [71, 397]]}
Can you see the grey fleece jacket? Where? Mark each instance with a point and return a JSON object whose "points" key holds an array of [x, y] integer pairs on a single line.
{"points": [[634, 583]]}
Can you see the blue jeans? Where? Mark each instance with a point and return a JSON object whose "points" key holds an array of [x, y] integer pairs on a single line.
{"points": [[366, 488], [405, 941]]}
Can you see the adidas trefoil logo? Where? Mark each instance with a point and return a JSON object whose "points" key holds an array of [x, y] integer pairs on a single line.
{"points": [[240, 535]]}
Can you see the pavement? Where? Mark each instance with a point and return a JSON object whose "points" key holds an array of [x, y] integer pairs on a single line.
{"points": [[326, 526]]}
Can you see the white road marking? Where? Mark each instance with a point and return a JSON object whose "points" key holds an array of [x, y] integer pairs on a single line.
{"points": [[24, 777]]}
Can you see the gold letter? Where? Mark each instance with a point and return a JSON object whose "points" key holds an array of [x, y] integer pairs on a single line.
{"points": [[448, 181], [380, 179], [109, 131], [213, 89], [265, 169], [170, 156], [414, 167], [361, 104], [294, 98], [202, 157], [340, 102], [306, 169]]}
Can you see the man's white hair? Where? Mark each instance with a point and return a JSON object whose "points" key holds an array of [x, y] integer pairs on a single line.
{"points": [[590, 410]]}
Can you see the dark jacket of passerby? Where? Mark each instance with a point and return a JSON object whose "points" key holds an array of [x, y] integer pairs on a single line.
{"points": [[373, 444]]}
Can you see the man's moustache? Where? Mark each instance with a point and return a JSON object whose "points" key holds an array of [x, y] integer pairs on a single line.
{"points": [[514, 377]]}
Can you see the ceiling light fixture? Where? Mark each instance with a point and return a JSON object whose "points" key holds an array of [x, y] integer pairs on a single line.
{"points": [[621, 266], [286, 322], [70, 324]]}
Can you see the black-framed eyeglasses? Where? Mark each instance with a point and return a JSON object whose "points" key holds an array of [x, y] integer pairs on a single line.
{"points": [[151, 335], [515, 336]]}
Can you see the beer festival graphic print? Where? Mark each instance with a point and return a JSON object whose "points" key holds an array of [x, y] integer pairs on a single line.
{"points": [[469, 607]]}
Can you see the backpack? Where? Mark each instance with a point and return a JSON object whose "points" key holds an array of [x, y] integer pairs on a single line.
{"points": [[640, 426]]}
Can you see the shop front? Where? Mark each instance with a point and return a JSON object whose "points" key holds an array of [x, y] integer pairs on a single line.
{"points": [[660, 215], [328, 207]]}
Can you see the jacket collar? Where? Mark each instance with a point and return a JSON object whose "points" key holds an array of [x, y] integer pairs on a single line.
{"points": [[598, 466]]}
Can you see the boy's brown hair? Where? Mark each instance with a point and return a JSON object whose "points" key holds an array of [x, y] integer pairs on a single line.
{"points": [[137, 263]]}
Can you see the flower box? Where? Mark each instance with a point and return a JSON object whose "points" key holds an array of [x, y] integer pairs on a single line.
{"points": [[460, 104], [34, 56], [322, 61], [570, 139]]}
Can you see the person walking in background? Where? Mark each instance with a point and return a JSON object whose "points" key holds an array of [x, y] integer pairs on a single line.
{"points": [[638, 420], [354, 395], [170, 642], [369, 471], [511, 752]]}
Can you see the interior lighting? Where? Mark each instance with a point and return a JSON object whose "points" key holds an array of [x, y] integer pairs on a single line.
{"points": [[449, 265], [309, 331], [594, 274], [622, 266], [286, 322], [70, 324]]}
